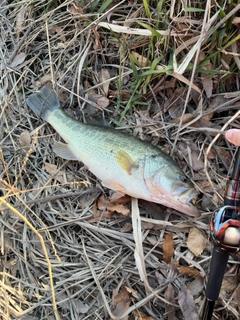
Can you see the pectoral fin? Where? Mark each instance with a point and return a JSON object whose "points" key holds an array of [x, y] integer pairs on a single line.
{"points": [[125, 161], [63, 151]]}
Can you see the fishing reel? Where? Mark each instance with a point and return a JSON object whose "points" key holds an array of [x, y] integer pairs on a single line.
{"points": [[225, 228]]}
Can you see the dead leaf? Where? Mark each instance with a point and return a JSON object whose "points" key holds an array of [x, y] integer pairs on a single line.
{"points": [[100, 100], [169, 296], [25, 139], [132, 17], [150, 226], [138, 43], [63, 96], [206, 187], [18, 59], [143, 62], [103, 102], [181, 78], [98, 44], [217, 101], [222, 152], [207, 84], [191, 152], [236, 296], [104, 78], [185, 118], [174, 104], [168, 248], [203, 123], [225, 155], [100, 216], [212, 200], [187, 305], [60, 32], [124, 95], [196, 241], [208, 117], [132, 292], [46, 78], [196, 160], [196, 286], [104, 204], [59, 175], [158, 67], [76, 9], [118, 198], [160, 278], [206, 77], [229, 283], [120, 208], [167, 85], [211, 153], [236, 21], [195, 95], [122, 300], [126, 228], [20, 19], [141, 316], [79, 305], [54, 172], [190, 271]]}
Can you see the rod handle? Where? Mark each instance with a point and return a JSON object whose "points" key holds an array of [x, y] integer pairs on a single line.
{"points": [[217, 270]]}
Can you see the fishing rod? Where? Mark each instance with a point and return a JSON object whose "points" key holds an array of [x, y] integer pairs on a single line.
{"points": [[225, 235]]}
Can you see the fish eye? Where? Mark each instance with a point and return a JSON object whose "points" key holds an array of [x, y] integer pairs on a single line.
{"points": [[183, 179]]}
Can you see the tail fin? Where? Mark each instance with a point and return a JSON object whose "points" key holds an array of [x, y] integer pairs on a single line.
{"points": [[43, 102]]}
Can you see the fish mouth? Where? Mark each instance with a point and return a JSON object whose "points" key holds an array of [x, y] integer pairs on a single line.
{"points": [[193, 196], [184, 202], [194, 199], [188, 195], [189, 200]]}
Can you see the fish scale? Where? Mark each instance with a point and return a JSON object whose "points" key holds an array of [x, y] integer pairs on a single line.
{"points": [[98, 150], [122, 162]]}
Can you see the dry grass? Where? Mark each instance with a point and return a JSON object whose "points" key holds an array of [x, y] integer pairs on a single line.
{"points": [[173, 80]]}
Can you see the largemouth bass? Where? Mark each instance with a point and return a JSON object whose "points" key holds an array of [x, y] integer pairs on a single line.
{"points": [[122, 162]]}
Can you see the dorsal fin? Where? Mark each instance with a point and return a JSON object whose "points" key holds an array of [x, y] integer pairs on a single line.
{"points": [[97, 120]]}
